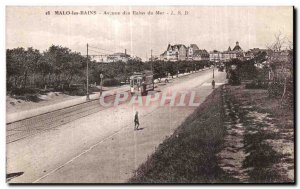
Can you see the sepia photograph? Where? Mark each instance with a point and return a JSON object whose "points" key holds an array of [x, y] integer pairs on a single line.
{"points": [[150, 95]]}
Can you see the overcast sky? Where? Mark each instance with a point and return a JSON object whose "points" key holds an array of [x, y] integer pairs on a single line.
{"points": [[208, 27]]}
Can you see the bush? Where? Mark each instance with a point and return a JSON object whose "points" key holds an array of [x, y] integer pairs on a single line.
{"points": [[110, 82], [233, 77], [23, 91], [257, 84], [79, 90], [275, 89]]}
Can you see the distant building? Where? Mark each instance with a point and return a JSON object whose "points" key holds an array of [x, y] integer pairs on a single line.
{"points": [[99, 58], [237, 47], [191, 51], [201, 54], [228, 55], [176, 52], [194, 53], [181, 52], [235, 53], [115, 57], [238, 51], [215, 56]]}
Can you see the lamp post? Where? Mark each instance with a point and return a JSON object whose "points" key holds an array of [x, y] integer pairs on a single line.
{"points": [[214, 70], [151, 60], [101, 83], [87, 73], [177, 71]]}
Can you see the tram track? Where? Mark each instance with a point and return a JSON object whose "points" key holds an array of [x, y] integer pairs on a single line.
{"points": [[30, 126]]}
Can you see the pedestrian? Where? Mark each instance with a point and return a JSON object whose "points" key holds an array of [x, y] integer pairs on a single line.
{"points": [[213, 84], [136, 121]]}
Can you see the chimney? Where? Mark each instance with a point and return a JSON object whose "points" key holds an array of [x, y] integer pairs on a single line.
{"points": [[237, 43], [125, 52]]}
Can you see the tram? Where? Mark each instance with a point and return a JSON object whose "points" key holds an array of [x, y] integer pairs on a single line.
{"points": [[141, 83]]}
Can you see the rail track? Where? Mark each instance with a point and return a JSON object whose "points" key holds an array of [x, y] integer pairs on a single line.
{"points": [[30, 126]]}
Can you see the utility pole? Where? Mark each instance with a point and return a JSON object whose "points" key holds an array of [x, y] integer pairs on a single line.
{"points": [[101, 84], [152, 69], [177, 69], [214, 61], [87, 73], [213, 80], [151, 62]]}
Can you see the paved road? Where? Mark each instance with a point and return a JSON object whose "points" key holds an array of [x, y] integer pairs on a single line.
{"points": [[103, 147]]}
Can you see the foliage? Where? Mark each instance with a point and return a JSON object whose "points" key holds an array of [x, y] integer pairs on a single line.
{"points": [[281, 67], [59, 68]]}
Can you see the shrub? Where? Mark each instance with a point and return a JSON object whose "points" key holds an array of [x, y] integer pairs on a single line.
{"points": [[110, 82]]}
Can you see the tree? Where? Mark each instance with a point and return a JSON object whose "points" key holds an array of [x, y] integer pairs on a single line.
{"points": [[14, 59], [281, 64], [44, 68], [59, 59], [20, 64], [32, 57], [158, 69]]}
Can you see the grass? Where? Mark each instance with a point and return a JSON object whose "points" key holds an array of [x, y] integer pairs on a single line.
{"points": [[262, 157], [188, 156]]}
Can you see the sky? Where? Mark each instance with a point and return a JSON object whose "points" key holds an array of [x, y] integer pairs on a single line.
{"points": [[208, 27]]}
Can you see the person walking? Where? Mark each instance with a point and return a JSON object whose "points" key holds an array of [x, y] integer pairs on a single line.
{"points": [[136, 121], [213, 84]]}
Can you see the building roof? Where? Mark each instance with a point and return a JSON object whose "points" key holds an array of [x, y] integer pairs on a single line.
{"points": [[215, 51], [164, 53], [200, 52], [178, 46], [237, 47], [194, 47]]}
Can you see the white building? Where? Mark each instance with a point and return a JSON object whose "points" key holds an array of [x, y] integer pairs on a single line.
{"points": [[181, 52]]}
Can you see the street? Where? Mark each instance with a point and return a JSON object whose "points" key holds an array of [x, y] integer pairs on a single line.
{"points": [[103, 147]]}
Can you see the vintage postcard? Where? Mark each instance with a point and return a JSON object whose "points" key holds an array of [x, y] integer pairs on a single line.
{"points": [[150, 94]]}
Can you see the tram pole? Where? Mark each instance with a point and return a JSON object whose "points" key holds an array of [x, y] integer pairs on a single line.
{"points": [[87, 73], [151, 62], [152, 69], [101, 84], [214, 71]]}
